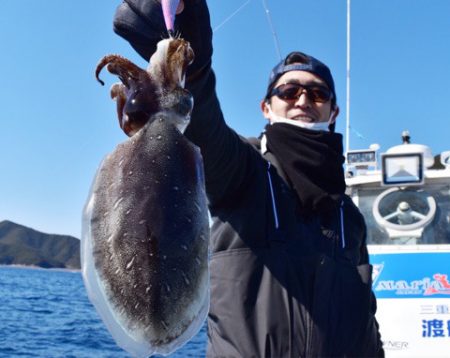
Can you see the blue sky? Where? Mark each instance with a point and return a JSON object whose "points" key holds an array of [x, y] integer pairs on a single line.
{"points": [[57, 122]]}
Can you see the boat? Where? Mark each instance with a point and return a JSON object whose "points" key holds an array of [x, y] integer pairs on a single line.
{"points": [[404, 195]]}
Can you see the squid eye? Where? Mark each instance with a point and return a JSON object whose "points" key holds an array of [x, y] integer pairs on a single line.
{"points": [[137, 118]]}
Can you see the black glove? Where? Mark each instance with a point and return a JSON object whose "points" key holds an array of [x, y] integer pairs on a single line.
{"points": [[141, 23]]}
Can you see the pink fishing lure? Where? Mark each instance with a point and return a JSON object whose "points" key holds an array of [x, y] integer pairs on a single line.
{"points": [[170, 8]]}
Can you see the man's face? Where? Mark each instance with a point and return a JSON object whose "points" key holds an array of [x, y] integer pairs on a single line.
{"points": [[303, 108]]}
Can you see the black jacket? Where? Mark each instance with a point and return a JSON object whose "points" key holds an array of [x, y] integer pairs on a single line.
{"points": [[281, 285]]}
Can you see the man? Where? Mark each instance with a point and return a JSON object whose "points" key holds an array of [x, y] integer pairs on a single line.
{"points": [[289, 268]]}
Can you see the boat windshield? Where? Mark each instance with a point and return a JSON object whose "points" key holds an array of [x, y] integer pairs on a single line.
{"points": [[415, 215]]}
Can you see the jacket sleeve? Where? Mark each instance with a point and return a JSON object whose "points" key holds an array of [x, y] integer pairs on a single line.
{"points": [[374, 343], [229, 161], [364, 254]]}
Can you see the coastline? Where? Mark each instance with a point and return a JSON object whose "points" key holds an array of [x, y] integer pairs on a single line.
{"points": [[34, 267]]}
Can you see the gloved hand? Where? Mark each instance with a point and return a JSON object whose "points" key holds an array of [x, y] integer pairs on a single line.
{"points": [[141, 23]]}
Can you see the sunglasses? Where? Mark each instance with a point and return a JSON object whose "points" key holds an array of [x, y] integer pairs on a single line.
{"points": [[293, 91]]}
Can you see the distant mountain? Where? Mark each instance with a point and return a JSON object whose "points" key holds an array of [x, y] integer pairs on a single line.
{"points": [[20, 245]]}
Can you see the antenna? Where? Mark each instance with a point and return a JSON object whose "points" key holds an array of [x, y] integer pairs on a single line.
{"points": [[274, 34], [347, 129]]}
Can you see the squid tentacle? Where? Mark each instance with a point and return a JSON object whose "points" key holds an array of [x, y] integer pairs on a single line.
{"points": [[122, 67]]}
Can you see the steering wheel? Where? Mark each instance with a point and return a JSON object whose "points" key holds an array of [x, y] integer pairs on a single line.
{"points": [[404, 210]]}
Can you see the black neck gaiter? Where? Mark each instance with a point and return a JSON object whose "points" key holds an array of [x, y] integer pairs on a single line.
{"points": [[312, 161]]}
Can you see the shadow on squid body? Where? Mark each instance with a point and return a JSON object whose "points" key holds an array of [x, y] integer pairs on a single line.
{"points": [[145, 224]]}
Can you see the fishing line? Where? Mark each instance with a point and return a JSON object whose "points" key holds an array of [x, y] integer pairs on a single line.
{"points": [[358, 134], [274, 34], [231, 16], [269, 19]]}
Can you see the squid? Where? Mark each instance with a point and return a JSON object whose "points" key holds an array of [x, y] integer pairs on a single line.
{"points": [[145, 231]]}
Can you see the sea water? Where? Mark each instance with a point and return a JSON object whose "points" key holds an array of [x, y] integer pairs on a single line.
{"points": [[46, 313]]}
